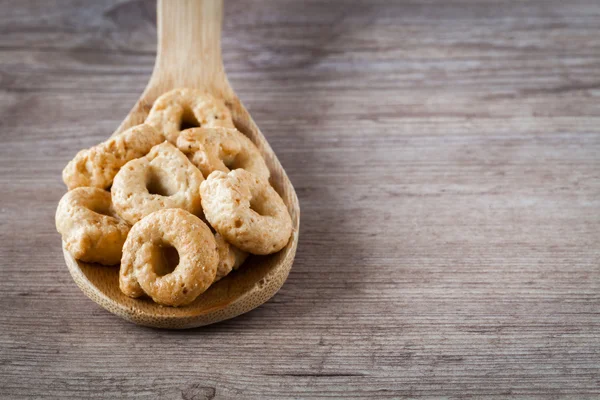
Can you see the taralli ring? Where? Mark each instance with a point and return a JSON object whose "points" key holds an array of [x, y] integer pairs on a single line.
{"points": [[144, 269], [221, 149], [247, 211], [98, 165], [178, 109], [164, 178], [90, 229], [230, 257]]}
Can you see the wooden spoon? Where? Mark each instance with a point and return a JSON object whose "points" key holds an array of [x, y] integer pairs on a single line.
{"points": [[189, 55]]}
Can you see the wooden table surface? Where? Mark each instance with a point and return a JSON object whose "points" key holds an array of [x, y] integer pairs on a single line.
{"points": [[447, 159]]}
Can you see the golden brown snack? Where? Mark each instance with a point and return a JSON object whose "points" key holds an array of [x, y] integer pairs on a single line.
{"points": [[143, 266], [221, 149], [164, 178], [175, 110], [230, 257], [247, 211], [98, 165], [90, 228]]}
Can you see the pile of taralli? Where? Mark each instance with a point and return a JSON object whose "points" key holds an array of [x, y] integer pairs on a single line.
{"points": [[159, 195]]}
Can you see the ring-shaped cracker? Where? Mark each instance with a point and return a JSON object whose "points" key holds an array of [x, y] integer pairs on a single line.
{"points": [[230, 257], [143, 260], [90, 228], [175, 110], [221, 149], [98, 165], [164, 178], [247, 211]]}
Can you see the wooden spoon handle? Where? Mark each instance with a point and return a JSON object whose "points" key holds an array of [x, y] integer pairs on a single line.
{"points": [[189, 44]]}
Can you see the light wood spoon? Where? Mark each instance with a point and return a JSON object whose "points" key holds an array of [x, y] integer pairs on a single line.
{"points": [[189, 55]]}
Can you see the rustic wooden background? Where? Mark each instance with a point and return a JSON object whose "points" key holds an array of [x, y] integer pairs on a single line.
{"points": [[447, 159]]}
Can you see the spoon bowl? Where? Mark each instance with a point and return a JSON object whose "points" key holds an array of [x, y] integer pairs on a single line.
{"points": [[189, 55]]}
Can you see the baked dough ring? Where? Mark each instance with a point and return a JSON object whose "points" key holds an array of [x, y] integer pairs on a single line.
{"points": [[164, 178], [98, 165], [230, 257], [143, 260], [221, 149], [90, 229], [246, 210], [177, 108]]}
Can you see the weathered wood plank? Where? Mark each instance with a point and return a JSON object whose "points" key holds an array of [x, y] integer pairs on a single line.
{"points": [[446, 156]]}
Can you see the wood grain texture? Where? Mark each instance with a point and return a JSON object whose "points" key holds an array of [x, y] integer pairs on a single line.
{"points": [[447, 160]]}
